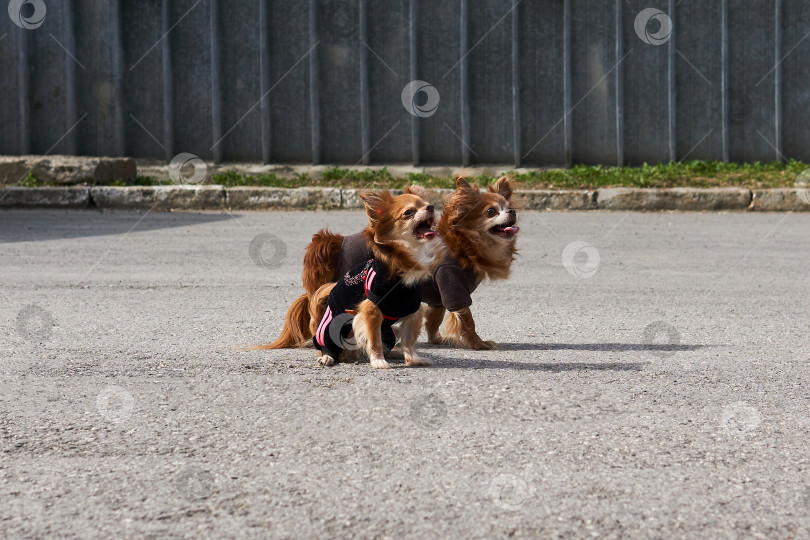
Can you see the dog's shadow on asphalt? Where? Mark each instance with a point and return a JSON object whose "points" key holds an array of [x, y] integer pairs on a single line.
{"points": [[604, 347], [480, 363], [477, 363]]}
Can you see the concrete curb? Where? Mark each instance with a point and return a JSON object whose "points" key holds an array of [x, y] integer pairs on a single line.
{"points": [[674, 199], [257, 198], [350, 198], [216, 197], [780, 200], [536, 199], [160, 198], [45, 197]]}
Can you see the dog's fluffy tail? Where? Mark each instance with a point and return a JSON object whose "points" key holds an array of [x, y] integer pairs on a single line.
{"points": [[296, 327], [320, 260], [317, 306]]}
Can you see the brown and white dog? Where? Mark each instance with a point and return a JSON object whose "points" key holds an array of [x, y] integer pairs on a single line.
{"points": [[401, 236], [480, 230]]}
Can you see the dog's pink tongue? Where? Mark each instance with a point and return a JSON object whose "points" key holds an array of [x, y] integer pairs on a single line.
{"points": [[511, 230], [430, 234]]}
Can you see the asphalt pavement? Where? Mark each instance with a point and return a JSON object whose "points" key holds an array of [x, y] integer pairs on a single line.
{"points": [[653, 382]]}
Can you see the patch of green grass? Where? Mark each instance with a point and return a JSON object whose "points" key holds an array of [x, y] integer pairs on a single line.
{"points": [[682, 174], [234, 179], [302, 179], [369, 178], [31, 181]]}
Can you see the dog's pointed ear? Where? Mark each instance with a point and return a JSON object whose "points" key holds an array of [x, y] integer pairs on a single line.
{"points": [[413, 189], [462, 184], [461, 201], [502, 187], [375, 203]]}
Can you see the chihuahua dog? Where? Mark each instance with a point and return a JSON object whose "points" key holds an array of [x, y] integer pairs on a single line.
{"points": [[398, 249], [480, 230]]}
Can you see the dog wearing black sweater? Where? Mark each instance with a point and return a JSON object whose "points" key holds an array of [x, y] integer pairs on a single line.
{"points": [[359, 310], [395, 300], [479, 229]]}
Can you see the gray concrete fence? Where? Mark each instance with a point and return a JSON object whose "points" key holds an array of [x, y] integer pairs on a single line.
{"points": [[523, 82]]}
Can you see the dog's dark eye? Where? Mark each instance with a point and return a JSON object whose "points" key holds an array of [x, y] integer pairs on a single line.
{"points": [[408, 214], [491, 212]]}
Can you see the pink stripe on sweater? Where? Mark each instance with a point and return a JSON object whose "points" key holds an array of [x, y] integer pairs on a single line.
{"points": [[327, 318], [370, 280]]}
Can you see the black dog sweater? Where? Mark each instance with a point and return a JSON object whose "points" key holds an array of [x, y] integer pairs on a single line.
{"points": [[353, 251], [367, 280], [452, 285]]}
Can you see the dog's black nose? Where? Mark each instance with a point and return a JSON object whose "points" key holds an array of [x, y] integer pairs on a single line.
{"points": [[511, 211], [430, 208]]}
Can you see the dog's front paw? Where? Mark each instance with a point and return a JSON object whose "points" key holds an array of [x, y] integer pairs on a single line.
{"points": [[380, 363], [325, 360], [416, 361]]}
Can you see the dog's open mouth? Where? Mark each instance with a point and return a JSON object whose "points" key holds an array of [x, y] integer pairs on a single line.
{"points": [[504, 231], [424, 230]]}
